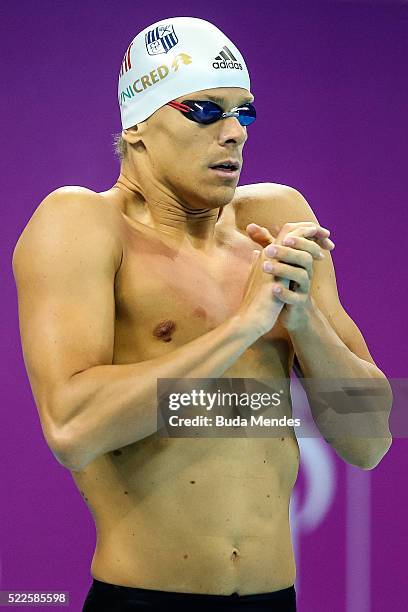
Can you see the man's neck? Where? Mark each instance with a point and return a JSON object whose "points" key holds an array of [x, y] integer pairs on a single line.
{"points": [[167, 214]]}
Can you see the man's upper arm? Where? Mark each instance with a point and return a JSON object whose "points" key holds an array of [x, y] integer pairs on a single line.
{"points": [[64, 265], [272, 205]]}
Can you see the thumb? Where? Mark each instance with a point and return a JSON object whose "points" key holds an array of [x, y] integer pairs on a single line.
{"points": [[259, 234]]}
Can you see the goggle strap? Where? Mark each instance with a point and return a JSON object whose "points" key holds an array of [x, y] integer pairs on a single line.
{"points": [[179, 106]]}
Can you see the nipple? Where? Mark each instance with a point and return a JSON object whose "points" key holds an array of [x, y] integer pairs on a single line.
{"points": [[200, 312], [164, 329]]}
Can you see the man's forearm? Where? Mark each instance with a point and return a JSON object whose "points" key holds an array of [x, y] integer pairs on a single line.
{"points": [[323, 356], [110, 406]]}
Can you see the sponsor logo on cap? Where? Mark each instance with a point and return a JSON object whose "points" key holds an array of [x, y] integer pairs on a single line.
{"points": [[126, 62], [161, 39], [226, 59], [181, 58], [153, 77]]}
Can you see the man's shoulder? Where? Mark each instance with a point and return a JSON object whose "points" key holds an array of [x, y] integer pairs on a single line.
{"points": [[66, 213], [270, 205], [73, 200], [74, 205]]}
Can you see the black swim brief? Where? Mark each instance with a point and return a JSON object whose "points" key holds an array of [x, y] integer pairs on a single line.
{"points": [[103, 596]]}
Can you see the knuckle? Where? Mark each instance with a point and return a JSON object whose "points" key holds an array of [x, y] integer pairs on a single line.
{"points": [[305, 278], [308, 259]]}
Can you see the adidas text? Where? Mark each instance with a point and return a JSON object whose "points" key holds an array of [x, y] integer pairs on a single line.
{"points": [[224, 64]]}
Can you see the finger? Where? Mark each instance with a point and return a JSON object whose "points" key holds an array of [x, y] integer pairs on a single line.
{"points": [[314, 247], [288, 238], [287, 295], [328, 244], [304, 225], [322, 232], [314, 230], [309, 229], [259, 234], [298, 255], [299, 275], [294, 225], [323, 243]]}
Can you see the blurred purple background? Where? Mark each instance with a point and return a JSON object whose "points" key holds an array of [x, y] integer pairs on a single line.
{"points": [[330, 82]]}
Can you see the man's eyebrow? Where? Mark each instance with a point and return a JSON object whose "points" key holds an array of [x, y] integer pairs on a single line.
{"points": [[221, 101]]}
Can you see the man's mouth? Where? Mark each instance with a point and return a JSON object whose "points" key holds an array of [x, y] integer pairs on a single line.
{"points": [[226, 168]]}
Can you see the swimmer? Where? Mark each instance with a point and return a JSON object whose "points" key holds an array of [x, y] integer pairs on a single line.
{"points": [[178, 272]]}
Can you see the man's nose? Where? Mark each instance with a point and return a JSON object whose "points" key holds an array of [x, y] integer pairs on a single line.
{"points": [[231, 129]]}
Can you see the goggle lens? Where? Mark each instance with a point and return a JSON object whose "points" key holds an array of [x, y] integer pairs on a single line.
{"points": [[247, 114], [206, 111]]}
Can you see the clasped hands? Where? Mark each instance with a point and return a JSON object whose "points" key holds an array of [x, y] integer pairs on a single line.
{"points": [[290, 256]]}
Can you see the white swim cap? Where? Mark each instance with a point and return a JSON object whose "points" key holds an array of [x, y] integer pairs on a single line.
{"points": [[174, 57]]}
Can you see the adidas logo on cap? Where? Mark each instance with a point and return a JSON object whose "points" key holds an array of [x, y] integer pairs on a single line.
{"points": [[226, 59]]}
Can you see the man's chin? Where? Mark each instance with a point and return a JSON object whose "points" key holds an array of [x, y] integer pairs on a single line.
{"points": [[222, 196], [207, 197]]}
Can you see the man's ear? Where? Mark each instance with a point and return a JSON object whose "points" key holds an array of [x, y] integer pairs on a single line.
{"points": [[135, 133]]}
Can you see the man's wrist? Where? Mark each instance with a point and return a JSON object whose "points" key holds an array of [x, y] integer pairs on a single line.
{"points": [[308, 314], [245, 330]]}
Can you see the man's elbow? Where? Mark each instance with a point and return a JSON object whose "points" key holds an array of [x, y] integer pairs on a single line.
{"points": [[72, 462], [375, 454], [364, 453], [67, 453]]}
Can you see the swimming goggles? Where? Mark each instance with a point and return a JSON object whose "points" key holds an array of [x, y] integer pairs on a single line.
{"points": [[206, 111]]}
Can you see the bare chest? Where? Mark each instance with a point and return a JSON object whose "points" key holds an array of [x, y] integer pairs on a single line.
{"points": [[167, 296]]}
